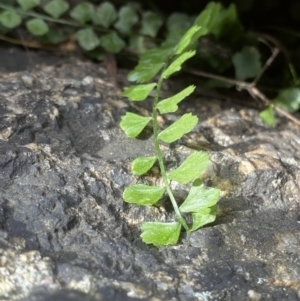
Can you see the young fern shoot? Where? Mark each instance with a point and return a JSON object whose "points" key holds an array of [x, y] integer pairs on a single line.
{"points": [[201, 201]]}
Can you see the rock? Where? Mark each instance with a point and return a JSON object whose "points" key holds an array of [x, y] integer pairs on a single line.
{"points": [[66, 233]]}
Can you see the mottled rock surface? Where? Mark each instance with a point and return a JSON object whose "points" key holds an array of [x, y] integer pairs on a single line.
{"points": [[66, 234]]}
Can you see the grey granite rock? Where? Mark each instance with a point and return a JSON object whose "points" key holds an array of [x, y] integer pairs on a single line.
{"points": [[66, 233]]}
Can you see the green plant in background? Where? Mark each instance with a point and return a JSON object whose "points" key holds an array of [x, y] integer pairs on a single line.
{"points": [[98, 29], [201, 201], [101, 29]]}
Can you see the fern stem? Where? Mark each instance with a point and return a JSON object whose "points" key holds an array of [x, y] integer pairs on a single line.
{"points": [[160, 157]]}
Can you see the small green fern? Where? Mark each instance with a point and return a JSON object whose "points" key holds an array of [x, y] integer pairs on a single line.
{"points": [[201, 201]]}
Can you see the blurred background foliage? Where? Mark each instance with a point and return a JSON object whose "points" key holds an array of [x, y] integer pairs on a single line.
{"points": [[240, 40]]}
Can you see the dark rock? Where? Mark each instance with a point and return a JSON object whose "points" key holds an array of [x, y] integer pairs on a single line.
{"points": [[66, 233]]}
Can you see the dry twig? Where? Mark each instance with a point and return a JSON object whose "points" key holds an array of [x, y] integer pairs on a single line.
{"points": [[251, 87]]}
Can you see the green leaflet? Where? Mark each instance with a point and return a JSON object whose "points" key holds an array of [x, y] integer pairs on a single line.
{"points": [[141, 165], [176, 65], [179, 22], [27, 4], [209, 16], [87, 38], [143, 194], [199, 198], [157, 55], [127, 18], [160, 234], [188, 37], [206, 20], [56, 8], [203, 217], [82, 12], [177, 25], [227, 25], [190, 169], [150, 63], [37, 27], [111, 42], [247, 63], [137, 43], [138, 92], [151, 23], [177, 129], [105, 14], [288, 99], [10, 19], [268, 116], [145, 72], [169, 105], [132, 124]]}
